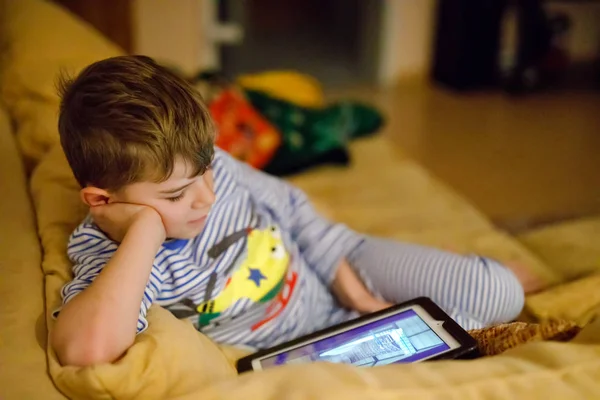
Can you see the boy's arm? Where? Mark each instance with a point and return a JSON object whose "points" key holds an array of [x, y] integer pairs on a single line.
{"points": [[323, 244], [99, 324]]}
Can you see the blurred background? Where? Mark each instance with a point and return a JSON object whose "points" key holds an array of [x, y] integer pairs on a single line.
{"points": [[497, 98]]}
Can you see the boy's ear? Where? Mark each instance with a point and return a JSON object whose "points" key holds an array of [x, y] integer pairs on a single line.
{"points": [[93, 196]]}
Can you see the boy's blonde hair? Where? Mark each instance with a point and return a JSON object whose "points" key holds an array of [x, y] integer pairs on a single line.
{"points": [[125, 119]]}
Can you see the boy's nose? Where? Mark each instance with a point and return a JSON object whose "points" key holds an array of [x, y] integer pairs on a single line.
{"points": [[204, 196]]}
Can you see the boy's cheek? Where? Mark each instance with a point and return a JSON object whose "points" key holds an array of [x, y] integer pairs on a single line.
{"points": [[173, 223]]}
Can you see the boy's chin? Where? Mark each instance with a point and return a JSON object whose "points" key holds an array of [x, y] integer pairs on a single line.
{"points": [[186, 234]]}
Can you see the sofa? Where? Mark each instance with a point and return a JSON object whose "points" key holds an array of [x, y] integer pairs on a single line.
{"points": [[40, 206]]}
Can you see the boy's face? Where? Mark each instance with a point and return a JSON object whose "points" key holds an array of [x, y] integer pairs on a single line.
{"points": [[183, 201]]}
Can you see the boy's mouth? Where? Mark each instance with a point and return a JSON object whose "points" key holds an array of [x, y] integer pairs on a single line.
{"points": [[197, 221]]}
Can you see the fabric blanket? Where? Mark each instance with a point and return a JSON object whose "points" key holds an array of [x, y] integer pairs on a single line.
{"points": [[172, 360]]}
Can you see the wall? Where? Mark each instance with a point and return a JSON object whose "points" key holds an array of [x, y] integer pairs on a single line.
{"points": [[174, 32], [583, 40], [170, 31], [405, 42], [408, 27], [111, 17]]}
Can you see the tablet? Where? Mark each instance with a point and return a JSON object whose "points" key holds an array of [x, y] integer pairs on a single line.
{"points": [[414, 331]]}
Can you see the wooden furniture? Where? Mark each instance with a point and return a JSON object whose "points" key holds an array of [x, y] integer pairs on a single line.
{"points": [[113, 18]]}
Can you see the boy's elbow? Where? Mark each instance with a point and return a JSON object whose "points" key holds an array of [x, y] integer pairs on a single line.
{"points": [[83, 351]]}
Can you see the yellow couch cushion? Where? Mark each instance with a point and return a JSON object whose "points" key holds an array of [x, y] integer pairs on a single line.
{"points": [[42, 40], [383, 192], [535, 371], [171, 360], [575, 301], [23, 371], [571, 249]]}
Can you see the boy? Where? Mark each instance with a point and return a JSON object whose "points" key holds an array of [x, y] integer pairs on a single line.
{"points": [[243, 255]]}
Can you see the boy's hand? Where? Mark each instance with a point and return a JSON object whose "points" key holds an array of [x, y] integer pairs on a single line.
{"points": [[115, 219], [98, 325], [352, 293]]}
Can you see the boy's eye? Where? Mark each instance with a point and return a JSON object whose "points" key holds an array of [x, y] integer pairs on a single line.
{"points": [[176, 198]]}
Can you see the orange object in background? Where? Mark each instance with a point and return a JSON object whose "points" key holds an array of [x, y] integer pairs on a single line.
{"points": [[242, 131]]}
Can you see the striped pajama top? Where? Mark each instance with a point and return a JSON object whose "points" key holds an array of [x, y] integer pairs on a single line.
{"points": [[257, 274]]}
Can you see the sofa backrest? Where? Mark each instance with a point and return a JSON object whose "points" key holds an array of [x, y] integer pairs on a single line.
{"points": [[42, 40], [22, 317]]}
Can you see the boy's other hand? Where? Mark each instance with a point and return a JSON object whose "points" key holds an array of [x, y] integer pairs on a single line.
{"points": [[351, 292], [115, 219]]}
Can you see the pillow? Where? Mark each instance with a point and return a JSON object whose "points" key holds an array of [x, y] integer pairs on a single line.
{"points": [[43, 40]]}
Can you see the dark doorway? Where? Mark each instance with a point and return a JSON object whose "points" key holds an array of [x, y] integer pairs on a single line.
{"points": [[334, 40]]}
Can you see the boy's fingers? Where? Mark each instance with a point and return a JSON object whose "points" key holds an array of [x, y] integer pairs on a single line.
{"points": [[382, 305], [374, 305]]}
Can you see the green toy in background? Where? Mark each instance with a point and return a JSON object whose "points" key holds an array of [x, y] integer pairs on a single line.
{"points": [[313, 136], [311, 132]]}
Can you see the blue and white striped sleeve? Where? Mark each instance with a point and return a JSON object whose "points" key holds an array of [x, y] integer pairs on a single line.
{"points": [[90, 250], [322, 242]]}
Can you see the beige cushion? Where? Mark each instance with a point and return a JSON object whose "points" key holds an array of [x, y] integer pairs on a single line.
{"points": [[571, 249], [575, 301], [23, 371], [43, 40], [383, 192], [171, 360]]}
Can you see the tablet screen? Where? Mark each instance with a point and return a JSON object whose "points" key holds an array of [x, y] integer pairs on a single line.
{"points": [[408, 336]]}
